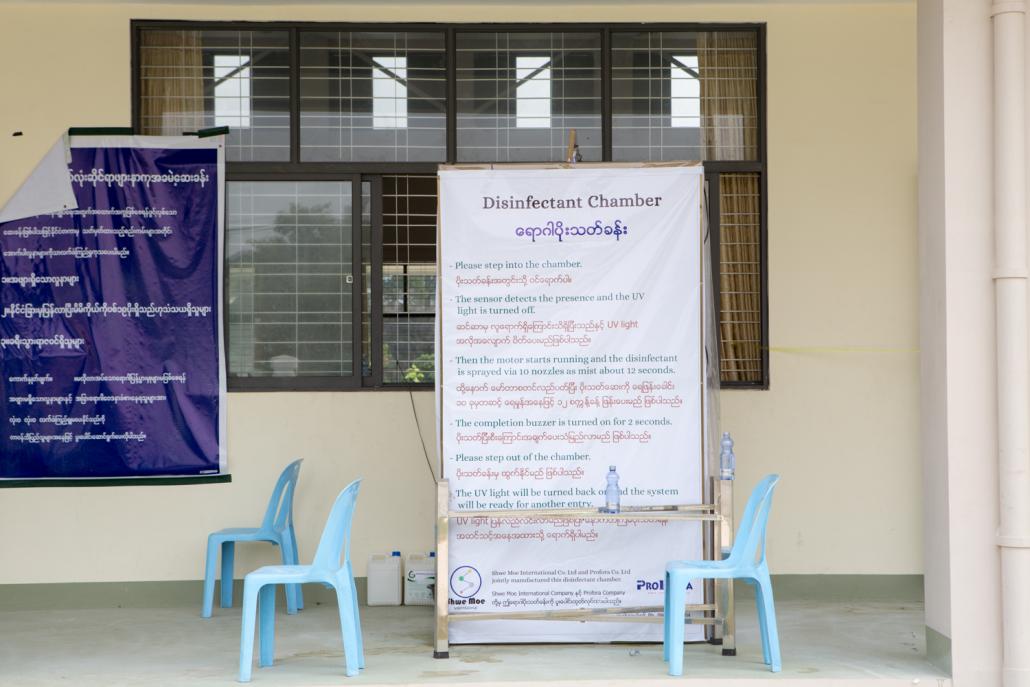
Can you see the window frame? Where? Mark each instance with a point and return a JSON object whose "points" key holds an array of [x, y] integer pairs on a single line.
{"points": [[308, 382], [295, 170]]}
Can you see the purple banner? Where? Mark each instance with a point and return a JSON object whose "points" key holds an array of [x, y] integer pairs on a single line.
{"points": [[110, 329]]}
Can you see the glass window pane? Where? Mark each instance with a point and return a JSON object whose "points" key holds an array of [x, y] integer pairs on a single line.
{"points": [[684, 92], [409, 278], [684, 96], [192, 80], [232, 91], [740, 277], [520, 94], [390, 92], [288, 252], [533, 93], [373, 96]]}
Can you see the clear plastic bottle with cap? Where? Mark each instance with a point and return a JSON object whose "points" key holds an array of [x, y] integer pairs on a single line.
{"points": [[727, 459], [611, 492]]}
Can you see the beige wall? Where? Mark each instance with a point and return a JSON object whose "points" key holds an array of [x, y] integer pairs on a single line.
{"points": [[839, 423]]}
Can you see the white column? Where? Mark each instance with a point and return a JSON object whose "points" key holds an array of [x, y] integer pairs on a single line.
{"points": [[1010, 288]]}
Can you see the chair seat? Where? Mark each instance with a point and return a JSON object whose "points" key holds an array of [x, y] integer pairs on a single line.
{"points": [[245, 533], [284, 573], [709, 569], [696, 565]]}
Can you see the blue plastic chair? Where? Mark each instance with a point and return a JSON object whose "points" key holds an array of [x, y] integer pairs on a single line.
{"points": [[746, 561], [277, 528], [328, 569]]}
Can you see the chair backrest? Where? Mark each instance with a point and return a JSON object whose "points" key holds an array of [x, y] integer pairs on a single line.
{"points": [[279, 513], [749, 545], [336, 535]]}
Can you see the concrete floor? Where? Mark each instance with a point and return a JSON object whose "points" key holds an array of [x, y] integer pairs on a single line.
{"points": [[832, 644]]}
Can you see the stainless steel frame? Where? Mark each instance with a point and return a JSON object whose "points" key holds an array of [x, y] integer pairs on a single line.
{"points": [[717, 612]]}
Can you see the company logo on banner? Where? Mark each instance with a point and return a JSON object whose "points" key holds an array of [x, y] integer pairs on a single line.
{"points": [[110, 331], [570, 341], [466, 582]]}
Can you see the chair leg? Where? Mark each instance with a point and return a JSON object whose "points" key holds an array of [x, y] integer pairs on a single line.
{"points": [[209, 578], [296, 561], [266, 631], [769, 622], [762, 627], [677, 606], [250, 598], [666, 615], [286, 549], [228, 556], [357, 621], [345, 601]]}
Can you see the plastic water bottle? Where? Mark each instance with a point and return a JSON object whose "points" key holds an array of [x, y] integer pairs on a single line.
{"points": [[727, 459], [611, 492]]}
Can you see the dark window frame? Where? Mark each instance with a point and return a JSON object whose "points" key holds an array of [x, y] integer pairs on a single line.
{"points": [[309, 382], [294, 169]]}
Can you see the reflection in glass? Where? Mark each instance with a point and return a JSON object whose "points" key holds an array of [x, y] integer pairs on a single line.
{"points": [[533, 92], [519, 95], [288, 253], [684, 95], [684, 92], [373, 96], [192, 80], [389, 92], [232, 91]]}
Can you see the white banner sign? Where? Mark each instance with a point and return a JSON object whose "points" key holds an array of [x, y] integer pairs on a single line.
{"points": [[570, 341]]}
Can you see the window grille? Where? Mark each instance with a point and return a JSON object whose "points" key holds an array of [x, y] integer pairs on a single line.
{"points": [[740, 278], [191, 80], [684, 96], [288, 254], [409, 277], [519, 95], [372, 96]]}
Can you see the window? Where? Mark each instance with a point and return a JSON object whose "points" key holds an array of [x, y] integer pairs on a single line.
{"points": [[336, 131], [205, 77], [409, 278], [690, 95], [373, 96], [289, 257], [519, 94]]}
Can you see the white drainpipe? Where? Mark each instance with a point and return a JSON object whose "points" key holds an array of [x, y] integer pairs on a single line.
{"points": [[1013, 371]]}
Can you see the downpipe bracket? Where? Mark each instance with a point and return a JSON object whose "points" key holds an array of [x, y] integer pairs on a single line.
{"points": [[1012, 541]]}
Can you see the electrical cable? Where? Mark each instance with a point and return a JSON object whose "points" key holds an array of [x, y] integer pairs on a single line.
{"points": [[418, 427]]}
